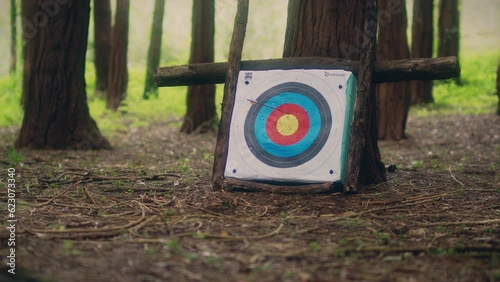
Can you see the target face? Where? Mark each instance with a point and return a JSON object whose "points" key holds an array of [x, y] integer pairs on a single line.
{"points": [[289, 126]]}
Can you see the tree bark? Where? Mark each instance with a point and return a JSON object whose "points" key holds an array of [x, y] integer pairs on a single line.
{"points": [[324, 29], [449, 28], [56, 111], [393, 98], [154, 51], [201, 98], [102, 44], [118, 72], [13, 36], [335, 29], [422, 45]]}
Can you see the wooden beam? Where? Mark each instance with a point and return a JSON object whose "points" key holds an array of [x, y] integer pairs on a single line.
{"points": [[384, 71], [232, 184]]}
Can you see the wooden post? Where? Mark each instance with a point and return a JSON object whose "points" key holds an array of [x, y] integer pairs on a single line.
{"points": [[234, 66], [360, 124]]}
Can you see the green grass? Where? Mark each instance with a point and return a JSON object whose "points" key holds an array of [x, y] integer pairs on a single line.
{"points": [[135, 111], [10, 100], [475, 94], [170, 104]]}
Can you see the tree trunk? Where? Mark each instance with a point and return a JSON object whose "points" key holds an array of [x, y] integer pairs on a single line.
{"points": [[201, 98], [393, 98], [449, 28], [324, 29], [56, 111], [335, 29], [422, 44], [154, 49], [13, 37], [102, 44], [498, 88], [118, 73]]}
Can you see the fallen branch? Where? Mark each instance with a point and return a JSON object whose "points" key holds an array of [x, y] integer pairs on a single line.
{"points": [[88, 232], [422, 249], [89, 177], [454, 177], [383, 250], [57, 196], [472, 222], [142, 224], [208, 236], [89, 196], [232, 184]]}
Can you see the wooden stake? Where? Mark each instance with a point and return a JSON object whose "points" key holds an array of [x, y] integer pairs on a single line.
{"points": [[360, 124], [234, 66]]}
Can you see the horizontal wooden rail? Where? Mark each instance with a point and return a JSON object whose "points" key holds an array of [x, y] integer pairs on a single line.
{"points": [[384, 71]]}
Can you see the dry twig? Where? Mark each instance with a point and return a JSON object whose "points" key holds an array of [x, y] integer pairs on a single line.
{"points": [[57, 196]]}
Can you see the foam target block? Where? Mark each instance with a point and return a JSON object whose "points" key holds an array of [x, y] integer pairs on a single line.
{"points": [[291, 126]]}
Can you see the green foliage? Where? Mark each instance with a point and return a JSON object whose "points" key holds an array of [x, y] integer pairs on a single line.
{"points": [[416, 164], [314, 246], [10, 100], [14, 157], [69, 249]]}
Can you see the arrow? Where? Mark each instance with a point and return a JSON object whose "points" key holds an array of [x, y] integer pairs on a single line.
{"points": [[264, 105]]}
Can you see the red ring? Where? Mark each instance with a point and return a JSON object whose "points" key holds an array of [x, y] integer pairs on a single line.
{"points": [[276, 114]]}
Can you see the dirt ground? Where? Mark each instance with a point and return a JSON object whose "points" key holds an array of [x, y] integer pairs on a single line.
{"points": [[146, 212]]}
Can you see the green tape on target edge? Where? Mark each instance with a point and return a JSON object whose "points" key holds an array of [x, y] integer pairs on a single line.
{"points": [[350, 98]]}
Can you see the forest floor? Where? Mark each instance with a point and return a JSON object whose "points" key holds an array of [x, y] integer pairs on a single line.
{"points": [[146, 212]]}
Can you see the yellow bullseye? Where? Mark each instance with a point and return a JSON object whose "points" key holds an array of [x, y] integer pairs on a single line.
{"points": [[287, 125]]}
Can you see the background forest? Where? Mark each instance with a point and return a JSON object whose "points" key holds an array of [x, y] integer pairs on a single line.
{"points": [[265, 36]]}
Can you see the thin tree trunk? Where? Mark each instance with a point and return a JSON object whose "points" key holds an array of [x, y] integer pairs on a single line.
{"points": [[13, 36], [154, 52], [393, 98], [449, 28], [234, 66], [201, 98], [102, 44], [56, 111], [422, 44], [118, 72], [498, 88], [335, 29]]}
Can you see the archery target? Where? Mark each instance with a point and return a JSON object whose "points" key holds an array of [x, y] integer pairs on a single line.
{"points": [[289, 126]]}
